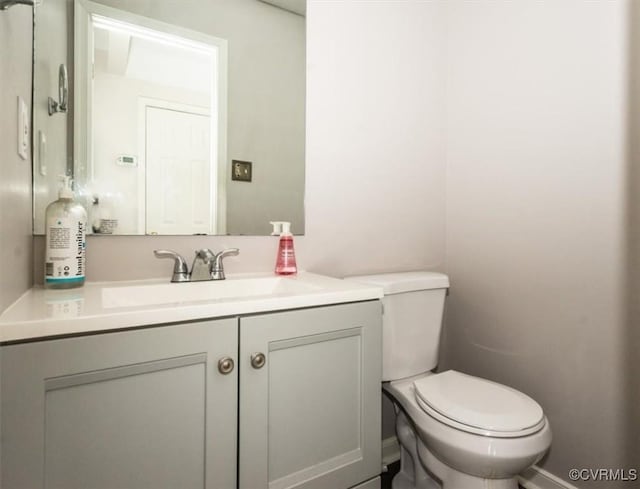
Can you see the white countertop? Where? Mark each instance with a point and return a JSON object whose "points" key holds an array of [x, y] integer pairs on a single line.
{"points": [[101, 306]]}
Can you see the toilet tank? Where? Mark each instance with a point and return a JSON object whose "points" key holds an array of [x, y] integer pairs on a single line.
{"points": [[412, 320]]}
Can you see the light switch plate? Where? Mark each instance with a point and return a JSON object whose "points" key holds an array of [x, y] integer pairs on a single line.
{"points": [[241, 170], [23, 129]]}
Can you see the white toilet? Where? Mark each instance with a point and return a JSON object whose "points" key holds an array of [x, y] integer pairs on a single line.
{"points": [[455, 431]]}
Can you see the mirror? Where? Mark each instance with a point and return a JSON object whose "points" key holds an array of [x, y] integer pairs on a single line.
{"points": [[182, 117]]}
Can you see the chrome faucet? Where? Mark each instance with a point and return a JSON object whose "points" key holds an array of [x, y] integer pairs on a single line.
{"points": [[206, 264]]}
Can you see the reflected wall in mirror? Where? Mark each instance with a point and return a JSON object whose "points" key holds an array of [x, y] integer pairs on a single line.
{"points": [[164, 97]]}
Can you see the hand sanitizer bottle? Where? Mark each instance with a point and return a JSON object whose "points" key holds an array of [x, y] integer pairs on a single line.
{"points": [[286, 260], [66, 226]]}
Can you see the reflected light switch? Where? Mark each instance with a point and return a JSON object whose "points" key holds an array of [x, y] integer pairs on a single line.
{"points": [[23, 129], [241, 170], [42, 153]]}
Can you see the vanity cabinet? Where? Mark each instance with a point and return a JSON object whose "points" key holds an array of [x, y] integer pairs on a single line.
{"points": [[136, 409], [155, 407]]}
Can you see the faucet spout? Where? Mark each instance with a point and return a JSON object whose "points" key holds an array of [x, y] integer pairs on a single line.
{"points": [[201, 265]]}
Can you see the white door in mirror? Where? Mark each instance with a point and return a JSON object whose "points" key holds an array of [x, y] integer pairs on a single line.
{"points": [[178, 164]]}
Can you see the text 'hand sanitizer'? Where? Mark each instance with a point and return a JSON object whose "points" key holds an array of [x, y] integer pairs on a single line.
{"points": [[286, 260], [66, 227]]}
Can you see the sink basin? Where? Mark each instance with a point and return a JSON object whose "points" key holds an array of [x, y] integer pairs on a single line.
{"points": [[234, 288]]}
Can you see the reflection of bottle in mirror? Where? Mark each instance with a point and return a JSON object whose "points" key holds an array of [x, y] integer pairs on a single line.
{"points": [[286, 261], [66, 227]]}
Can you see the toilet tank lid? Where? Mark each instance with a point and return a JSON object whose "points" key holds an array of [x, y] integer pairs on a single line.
{"points": [[396, 283]]}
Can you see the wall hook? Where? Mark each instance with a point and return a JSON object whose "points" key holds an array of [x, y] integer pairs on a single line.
{"points": [[63, 92]]}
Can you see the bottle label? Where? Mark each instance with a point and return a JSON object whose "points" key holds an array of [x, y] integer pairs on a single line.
{"points": [[66, 243], [287, 254]]}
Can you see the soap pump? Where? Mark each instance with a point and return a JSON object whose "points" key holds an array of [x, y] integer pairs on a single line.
{"points": [[65, 243], [286, 260]]}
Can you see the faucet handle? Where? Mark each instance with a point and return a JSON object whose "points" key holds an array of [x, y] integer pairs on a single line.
{"points": [[180, 268], [227, 252], [216, 268]]}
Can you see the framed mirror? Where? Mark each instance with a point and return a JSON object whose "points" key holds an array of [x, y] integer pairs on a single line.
{"points": [[182, 117]]}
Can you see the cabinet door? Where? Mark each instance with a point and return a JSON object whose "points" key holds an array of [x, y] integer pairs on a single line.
{"points": [[310, 416], [143, 409]]}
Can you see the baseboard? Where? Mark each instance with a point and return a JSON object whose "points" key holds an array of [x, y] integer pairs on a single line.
{"points": [[533, 478], [537, 478], [390, 450]]}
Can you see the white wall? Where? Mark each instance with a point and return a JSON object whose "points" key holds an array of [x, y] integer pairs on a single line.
{"points": [[536, 189], [16, 274]]}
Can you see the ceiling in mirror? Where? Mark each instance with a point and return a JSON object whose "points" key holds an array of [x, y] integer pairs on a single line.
{"points": [[181, 121]]}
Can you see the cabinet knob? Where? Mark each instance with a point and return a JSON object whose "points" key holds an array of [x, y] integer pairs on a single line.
{"points": [[225, 365], [258, 360]]}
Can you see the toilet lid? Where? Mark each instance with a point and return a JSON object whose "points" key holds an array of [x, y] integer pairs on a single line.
{"points": [[478, 405]]}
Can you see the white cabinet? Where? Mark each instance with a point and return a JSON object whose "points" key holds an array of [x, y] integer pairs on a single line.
{"points": [[310, 416], [151, 408], [144, 409]]}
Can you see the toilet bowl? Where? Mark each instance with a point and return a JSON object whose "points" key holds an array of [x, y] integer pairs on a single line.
{"points": [[455, 431], [464, 456]]}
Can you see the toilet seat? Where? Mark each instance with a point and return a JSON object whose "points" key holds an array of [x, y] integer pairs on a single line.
{"points": [[478, 406]]}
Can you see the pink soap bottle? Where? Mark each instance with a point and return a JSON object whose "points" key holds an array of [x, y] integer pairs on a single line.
{"points": [[286, 260]]}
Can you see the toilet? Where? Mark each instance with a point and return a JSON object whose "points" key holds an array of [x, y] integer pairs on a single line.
{"points": [[455, 431]]}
